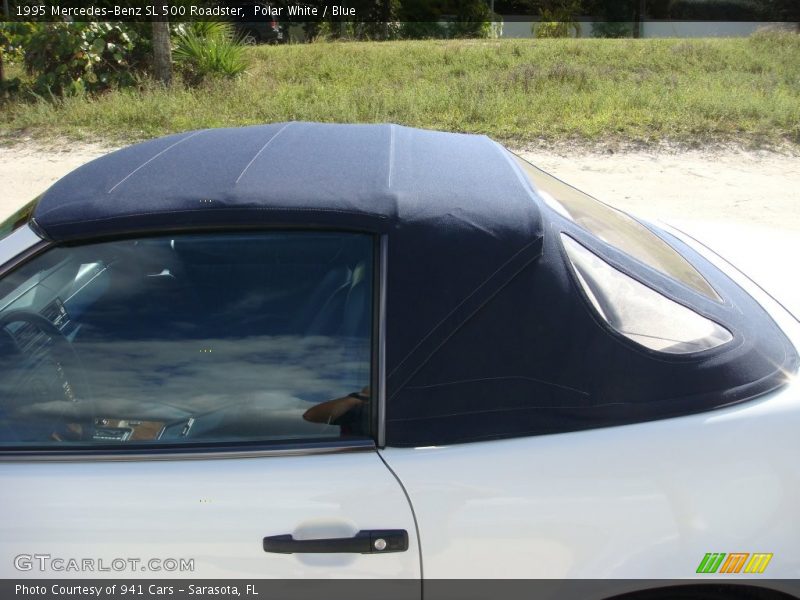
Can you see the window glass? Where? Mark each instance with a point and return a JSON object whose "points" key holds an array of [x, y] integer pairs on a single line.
{"points": [[17, 219], [616, 228], [193, 338], [640, 313]]}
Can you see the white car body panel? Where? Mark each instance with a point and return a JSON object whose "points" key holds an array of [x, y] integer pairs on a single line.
{"points": [[216, 511], [638, 501]]}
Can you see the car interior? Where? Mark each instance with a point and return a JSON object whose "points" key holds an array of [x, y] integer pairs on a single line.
{"points": [[186, 338]]}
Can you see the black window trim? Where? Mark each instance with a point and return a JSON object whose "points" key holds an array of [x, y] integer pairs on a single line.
{"points": [[380, 272], [25, 249], [220, 450]]}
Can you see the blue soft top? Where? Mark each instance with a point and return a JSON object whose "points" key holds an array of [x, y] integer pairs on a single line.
{"points": [[488, 334], [372, 177]]}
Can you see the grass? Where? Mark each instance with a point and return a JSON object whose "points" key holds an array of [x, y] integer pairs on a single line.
{"points": [[519, 91]]}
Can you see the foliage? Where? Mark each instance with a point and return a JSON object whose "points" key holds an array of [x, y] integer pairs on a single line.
{"points": [[783, 10], [375, 17], [13, 35], [558, 19], [7, 87], [473, 19], [422, 30], [204, 29], [624, 10], [612, 29], [72, 58], [206, 49], [421, 19], [692, 91], [719, 10], [615, 18], [376, 20], [776, 41], [365, 31]]}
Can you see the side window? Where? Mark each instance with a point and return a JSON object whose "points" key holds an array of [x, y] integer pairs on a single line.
{"points": [[202, 338]]}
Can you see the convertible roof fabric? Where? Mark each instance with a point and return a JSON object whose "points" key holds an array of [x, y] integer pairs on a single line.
{"points": [[373, 177], [488, 335]]}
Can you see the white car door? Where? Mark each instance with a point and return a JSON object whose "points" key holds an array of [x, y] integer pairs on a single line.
{"points": [[202, 518], [196, 406]]}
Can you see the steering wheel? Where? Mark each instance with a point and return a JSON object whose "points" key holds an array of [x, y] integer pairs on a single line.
{"points": [[69, 374]]}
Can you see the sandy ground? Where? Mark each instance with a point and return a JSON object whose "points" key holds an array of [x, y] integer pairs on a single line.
{"points": [[743, 204], [28, 169]]}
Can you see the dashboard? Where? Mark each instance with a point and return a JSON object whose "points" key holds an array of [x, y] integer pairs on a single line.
{"points": [[40, 318]]}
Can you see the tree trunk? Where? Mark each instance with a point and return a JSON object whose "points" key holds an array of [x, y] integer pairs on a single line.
{"points": [[162, 51], [6, 15]]}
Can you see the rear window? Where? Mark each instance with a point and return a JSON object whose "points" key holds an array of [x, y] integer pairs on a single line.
{"points": [[616, 228], [638, 312], [17, 219]]}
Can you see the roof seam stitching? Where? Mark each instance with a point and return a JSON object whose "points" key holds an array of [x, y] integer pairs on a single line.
{"points": [[151, 159], [466, 319], [257, 154], [508, 409], [460, 304], [498, 378], [263, 208]]}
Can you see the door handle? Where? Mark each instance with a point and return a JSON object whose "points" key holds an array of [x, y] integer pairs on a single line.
{"points": [[366, 541]]}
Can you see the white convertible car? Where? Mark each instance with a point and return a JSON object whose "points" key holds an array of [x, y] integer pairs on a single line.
{"points": [[353, 351]]}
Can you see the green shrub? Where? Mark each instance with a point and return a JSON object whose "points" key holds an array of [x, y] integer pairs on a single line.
{"points": [[351, 31], [72, 58], [473, 19], [421, 19], [422, 30], [612, 29], [558, 19], [13, 35], [204, 50], [328, 31], [205, 29], [549, 28], [775, 41]]}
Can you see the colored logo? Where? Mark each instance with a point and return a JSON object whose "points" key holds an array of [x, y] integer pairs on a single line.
{"points": [[736, 562]]}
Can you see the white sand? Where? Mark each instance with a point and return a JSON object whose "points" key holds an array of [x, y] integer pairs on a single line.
{"points": [[28, 169]]}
